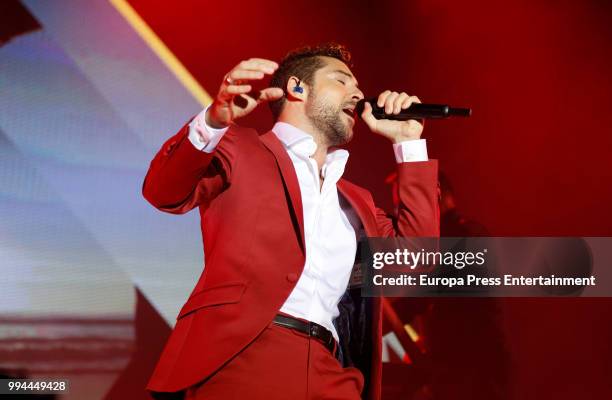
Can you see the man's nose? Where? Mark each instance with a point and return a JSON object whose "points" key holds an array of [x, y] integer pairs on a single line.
{"points": [[358, 95]]}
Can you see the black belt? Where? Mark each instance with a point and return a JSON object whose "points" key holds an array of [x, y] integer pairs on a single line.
{"points": [[309, 328]]}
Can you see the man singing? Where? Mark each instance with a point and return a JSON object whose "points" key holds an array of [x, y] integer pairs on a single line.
{"points": [[273, 315]]}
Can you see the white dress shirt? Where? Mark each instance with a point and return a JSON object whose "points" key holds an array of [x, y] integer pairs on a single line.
{"points": [[331, 226]]}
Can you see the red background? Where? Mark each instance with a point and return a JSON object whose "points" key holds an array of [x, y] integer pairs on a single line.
{"points": [[532, 161]]}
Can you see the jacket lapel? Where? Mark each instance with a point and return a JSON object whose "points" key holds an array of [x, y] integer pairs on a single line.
{"points": [[355, 199], [289, 176], [361, 207]]}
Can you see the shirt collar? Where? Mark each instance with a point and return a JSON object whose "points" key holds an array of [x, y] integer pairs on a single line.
{"points": [[289, 134], [295, 139], [304, 145]]}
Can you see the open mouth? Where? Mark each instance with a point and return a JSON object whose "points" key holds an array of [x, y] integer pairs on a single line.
{"points": [[349, 111]]}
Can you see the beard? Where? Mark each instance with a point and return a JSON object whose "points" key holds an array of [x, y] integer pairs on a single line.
{"points": [[328, 120]]}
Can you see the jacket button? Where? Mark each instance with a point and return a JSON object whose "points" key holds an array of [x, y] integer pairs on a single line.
{"points": [[292, 277]]}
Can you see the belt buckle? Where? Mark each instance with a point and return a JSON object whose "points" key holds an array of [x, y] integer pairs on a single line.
{"points": [[313, 330], [316, 331]]}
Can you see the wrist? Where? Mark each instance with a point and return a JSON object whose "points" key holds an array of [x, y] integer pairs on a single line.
{"points": [[404, 138], [212, 121]]}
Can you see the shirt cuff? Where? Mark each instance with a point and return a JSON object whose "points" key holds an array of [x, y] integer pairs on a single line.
{"points": [[202, 136], [410, 151]]}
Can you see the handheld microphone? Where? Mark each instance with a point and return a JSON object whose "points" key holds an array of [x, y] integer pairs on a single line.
{"points": [[415, 111]]}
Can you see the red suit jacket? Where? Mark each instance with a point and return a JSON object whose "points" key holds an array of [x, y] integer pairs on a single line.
{"points": [[252, 227]]}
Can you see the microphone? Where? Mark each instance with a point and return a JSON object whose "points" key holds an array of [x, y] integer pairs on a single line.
{"points": [[415, 111]]}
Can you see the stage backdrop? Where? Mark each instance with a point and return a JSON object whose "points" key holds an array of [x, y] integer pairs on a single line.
{"points": [[93, 276]]}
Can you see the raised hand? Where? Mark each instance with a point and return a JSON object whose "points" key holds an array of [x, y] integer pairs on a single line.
{"points": [[234, 99]]}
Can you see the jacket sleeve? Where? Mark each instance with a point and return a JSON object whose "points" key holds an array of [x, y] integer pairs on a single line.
{"points": [[418, 211], [181, 177]]}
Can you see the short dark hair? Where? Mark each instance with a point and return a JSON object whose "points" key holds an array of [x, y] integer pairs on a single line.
{"points": [[303, 63]]}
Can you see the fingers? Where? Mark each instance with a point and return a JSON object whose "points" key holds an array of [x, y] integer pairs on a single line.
{"points": [[271, 94], [394, 102], [258, 64], [254, 68], [245, 74], [236, 81], [228, 92], [382, 98], [368, 117], [409, 100], [389, 102], [399, 101], [238, 89]]}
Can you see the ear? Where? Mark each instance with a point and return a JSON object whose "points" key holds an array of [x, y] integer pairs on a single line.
{"points": [[296, 90]]}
